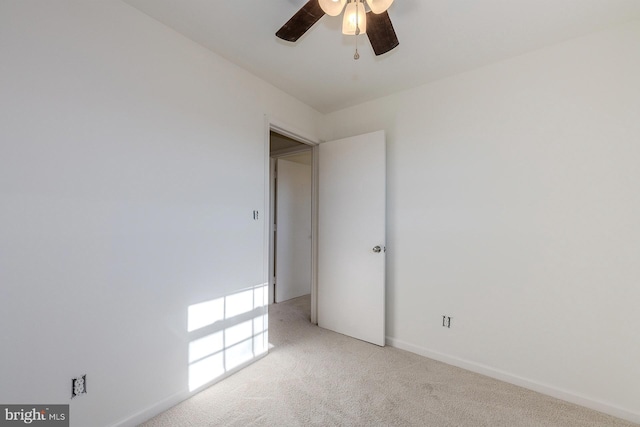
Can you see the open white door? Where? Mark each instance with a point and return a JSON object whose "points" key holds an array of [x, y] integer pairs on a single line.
{"points": [[351, 237]]}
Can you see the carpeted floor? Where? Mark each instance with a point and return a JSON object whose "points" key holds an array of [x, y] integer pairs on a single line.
{"points": [[314, 377]]}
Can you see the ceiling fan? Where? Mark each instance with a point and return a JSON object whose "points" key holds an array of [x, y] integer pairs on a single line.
{"points": [[375, 22]]}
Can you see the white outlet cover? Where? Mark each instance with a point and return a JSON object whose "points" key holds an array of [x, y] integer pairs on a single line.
{"points": [[78, 386]]}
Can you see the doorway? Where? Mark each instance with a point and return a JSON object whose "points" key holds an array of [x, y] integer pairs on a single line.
{"points": [[361, 264], [291, 226]]}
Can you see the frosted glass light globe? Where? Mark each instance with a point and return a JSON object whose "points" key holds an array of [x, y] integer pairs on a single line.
{"points": [[332, 7], [353, 10], [379, 6]]}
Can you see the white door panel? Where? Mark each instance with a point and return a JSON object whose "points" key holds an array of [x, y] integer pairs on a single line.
{"points": [[351, 223]]}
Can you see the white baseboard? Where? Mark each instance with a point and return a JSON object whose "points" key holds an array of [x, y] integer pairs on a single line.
{"points": [[173, 400], [153, 410], [519, 381]]}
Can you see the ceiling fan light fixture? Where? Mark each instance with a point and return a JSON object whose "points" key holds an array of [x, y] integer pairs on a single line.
{"points": [[355, 18], [378, 27], [379, 6], [332, 7]]}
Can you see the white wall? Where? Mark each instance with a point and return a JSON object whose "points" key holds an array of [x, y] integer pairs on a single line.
{"points": [[131, 160], [293, 242], [513, 206]]}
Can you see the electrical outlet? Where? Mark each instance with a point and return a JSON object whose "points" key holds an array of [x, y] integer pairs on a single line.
{"points": [[446, 321], [78, 386]]}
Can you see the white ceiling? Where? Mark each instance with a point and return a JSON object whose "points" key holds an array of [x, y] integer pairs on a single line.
{"points": [[438, 38]]}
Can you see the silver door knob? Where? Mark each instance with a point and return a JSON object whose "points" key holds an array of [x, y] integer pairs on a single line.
{"points": [[377, 249]]}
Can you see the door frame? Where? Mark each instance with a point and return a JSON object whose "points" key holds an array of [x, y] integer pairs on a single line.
{"points": [[272, 124]]}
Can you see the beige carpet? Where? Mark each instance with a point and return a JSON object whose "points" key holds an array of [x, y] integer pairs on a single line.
{"points": [[316, 377]]}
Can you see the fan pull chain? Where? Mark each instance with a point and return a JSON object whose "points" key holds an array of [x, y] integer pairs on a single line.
{"points": [[356, 56]]}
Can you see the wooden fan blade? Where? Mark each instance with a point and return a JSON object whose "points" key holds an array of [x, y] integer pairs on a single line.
{"points": [[299, 23], [381, 33]]}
